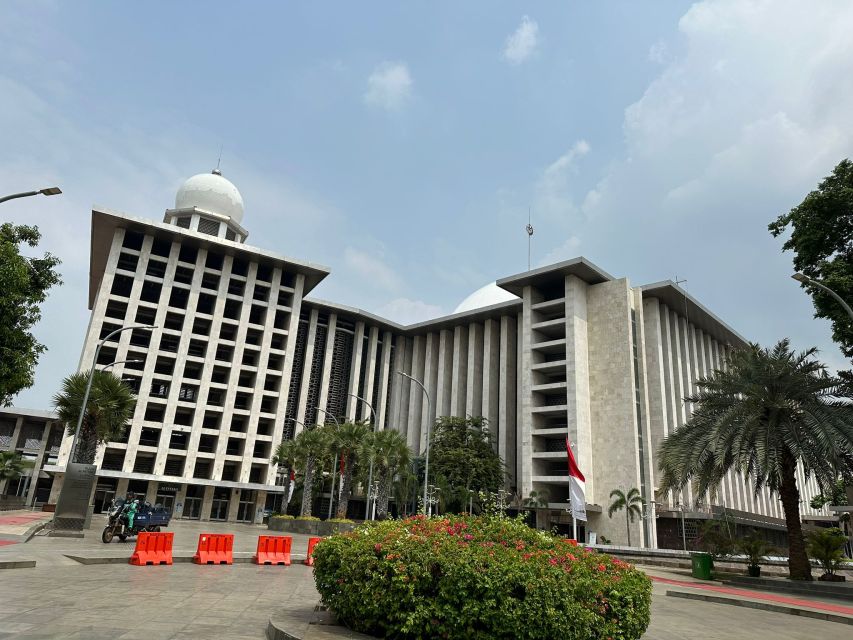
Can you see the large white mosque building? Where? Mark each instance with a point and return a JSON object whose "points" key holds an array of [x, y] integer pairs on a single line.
{"points": [[243, 357]]}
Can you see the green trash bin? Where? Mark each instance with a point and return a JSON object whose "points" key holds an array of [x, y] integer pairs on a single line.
{"points": [[703, 566]]}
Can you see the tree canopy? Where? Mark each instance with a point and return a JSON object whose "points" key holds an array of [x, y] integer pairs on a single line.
{"points": [[769, 411], [463, 456], [25, 282], [821, 238]]}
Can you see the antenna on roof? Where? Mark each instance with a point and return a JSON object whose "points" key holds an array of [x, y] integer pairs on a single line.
{"points": [[529, 237], [216, 171]]}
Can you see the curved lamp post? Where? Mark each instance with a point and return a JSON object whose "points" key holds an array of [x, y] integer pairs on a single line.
{"points": [[370, 474], [799, 277], [112, 364], [148, 327], [334, 464], [50, 191], [429, 426]]}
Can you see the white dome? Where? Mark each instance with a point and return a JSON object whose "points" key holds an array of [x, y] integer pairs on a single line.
{"points": [[211, 192], [485, 297]]}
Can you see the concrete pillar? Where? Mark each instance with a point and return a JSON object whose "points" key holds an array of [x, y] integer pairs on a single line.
{"points": [[386, 378], [491, 374], [355, 370], [180, 501], [370, 375], [260, 504], [233, 504], [417, 402], [206, 503], [445, 374], [326, 375], [474, 381], [431, 382], [517, 451], [302, 409], [459, 383]]}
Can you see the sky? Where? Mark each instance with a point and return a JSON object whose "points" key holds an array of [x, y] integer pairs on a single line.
{"points": [[403, 145]]}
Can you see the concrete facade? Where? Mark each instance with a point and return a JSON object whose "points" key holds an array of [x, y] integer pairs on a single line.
{"points": [[241, 359]]}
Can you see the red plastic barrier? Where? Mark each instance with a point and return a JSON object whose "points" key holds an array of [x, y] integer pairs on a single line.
{"points": [[273, 550], [152, 548], [309, 559], [214, 548]]}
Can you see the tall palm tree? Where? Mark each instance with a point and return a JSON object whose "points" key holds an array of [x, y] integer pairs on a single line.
{"points": [[110, 406], [390, 454], [310, 448], [769, 411], [631, 501], [348, 439]]}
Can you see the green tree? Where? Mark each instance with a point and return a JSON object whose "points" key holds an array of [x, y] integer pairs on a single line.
{"points": [[347, 440], [110, 406], [406, 487], [536, 499], [463, 455], [390, 455], [632, 502], [309, 451], [767, 412], [822, 241], [12, 465], [25, 285]]}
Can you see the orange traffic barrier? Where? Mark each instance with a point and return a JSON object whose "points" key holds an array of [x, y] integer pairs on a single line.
{"points": [[309, 559], [152, 548], [273, 550], [214, 548]]}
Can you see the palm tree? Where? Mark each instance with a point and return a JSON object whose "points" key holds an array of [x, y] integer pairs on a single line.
{"points": [[536, 499], [12, 466], [285, 457], [348, 439], [390, 454], [310, 448], [406, 488], [632, 502], [769, 411], [110, 406]]}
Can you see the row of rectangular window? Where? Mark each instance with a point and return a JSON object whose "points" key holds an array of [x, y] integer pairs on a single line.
{"points": [[175, 466]]}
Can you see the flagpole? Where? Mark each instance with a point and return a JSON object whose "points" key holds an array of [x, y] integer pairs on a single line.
{"points": [[574, 519]]}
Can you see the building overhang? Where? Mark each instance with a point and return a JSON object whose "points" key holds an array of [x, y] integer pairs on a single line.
{"points": [[683, 303], [105, 222], [546, 276]]}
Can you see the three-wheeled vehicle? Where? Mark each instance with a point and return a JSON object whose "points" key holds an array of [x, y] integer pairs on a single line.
{"points": [[146, 518]]}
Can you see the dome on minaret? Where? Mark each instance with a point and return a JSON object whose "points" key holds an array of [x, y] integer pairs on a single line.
{"points": [[213, 193]]}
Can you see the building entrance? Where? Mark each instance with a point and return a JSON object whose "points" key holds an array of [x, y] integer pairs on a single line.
{"points": [[219, 506], [192, 509], [246, 508]]}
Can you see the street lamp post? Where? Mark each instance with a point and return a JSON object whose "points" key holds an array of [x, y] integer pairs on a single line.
{"points": [[429, 425], [112, 364], [50, 191], [799, 277], [334, 464], [148, 327], [370, 474]]}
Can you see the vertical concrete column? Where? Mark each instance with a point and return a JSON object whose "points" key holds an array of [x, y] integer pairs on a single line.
{"points": [[577, 373], [656, 387], [180, 501], [474, 380], [645, 451], [431, 382], [370, 374], [121, 487], [517, 447], [306, 366], [459, 383], [233, 505], [491, 374], [399, 409], [206, 503], [355, 370], [38, 463], [386, 374], [260, 504], [445, 374], [326, 375], [417, 402]]}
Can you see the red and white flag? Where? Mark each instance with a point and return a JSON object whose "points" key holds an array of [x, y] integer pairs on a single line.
{"points": [[577, 487]]}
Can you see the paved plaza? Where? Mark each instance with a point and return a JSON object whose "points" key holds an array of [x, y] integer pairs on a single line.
{"points": [[61, 598]]}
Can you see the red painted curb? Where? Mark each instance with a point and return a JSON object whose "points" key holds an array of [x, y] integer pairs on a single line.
{"points": [[759, 595]]}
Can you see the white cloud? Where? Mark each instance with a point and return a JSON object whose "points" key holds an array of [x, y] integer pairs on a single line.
{"points": [[569, 249], [740, 124], [374, 271], [658, 52], [522, 43], [389, 86], [552, 192], [407, 311]]}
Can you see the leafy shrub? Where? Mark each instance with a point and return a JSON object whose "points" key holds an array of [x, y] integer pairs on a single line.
{"points": [[755, 548], [282, 517], [477, 578], [827, 547], [307, 518], [344, 520]]}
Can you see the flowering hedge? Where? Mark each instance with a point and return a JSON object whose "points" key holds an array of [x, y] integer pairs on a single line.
{"points": [[466, 577]]}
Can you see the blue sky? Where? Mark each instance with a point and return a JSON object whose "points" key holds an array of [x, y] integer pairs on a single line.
{"points": [[401, 144]]}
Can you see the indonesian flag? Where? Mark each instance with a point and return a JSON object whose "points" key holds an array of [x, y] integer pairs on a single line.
{"points": [[292, 485], [577, 487]]}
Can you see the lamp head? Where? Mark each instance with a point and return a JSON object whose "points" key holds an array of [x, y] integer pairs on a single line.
{"points": [[799, 277], [51, 191]]}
